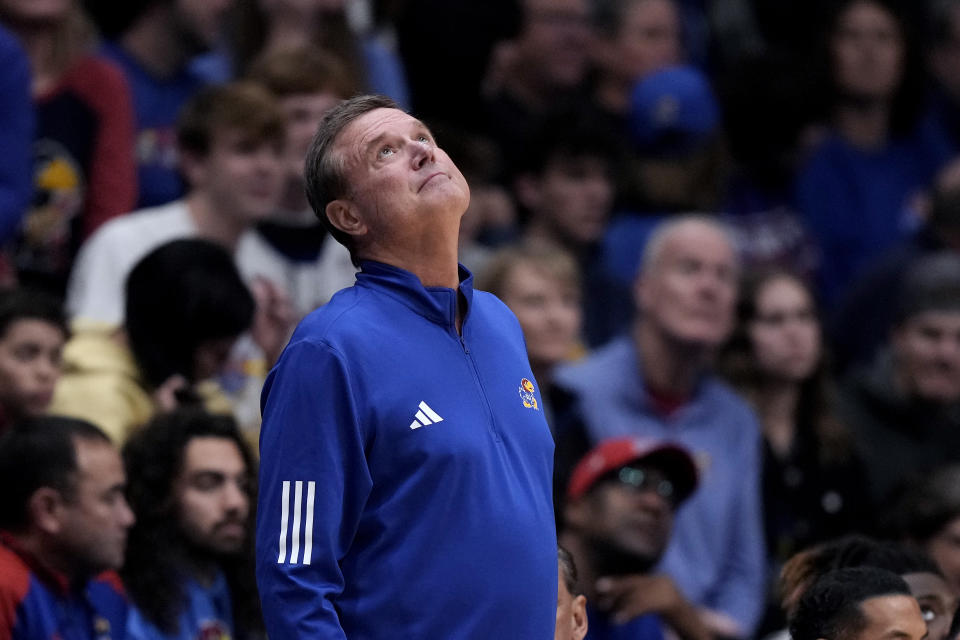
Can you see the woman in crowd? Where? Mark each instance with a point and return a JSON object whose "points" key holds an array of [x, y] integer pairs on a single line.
{"points": [[541, 285], [856, 190], [811, 481]]}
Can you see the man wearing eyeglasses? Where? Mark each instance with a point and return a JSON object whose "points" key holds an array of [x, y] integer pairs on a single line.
{"points": [[619, 511]]}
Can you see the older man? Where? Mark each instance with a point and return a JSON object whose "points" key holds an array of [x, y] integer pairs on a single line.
{"points": [[406, 463], [657, 383]]}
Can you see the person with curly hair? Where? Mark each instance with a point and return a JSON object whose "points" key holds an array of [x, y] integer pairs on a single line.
{"points": [[189, 565]]}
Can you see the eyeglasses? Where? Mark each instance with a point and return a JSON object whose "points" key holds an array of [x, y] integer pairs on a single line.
{"points": [[647, 479]]}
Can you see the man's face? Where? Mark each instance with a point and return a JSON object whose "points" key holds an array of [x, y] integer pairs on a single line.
{"points": [[630, 512], [212, 494], [304, 113], [868, 52], [554, 41], [571, 613], [894, 617], [689, 290], [200, 22], [927, 351], [30, 365], [937, 601], [548, 310], [95, 516], [242, 177], [405, 189], [648, 40], [574, 196]]}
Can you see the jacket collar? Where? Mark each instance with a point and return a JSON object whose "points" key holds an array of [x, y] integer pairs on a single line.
{"points": [[437, 304]]}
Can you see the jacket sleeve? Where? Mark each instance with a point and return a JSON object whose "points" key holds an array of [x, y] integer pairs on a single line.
{"points": [[314, 483], [740, 594]]}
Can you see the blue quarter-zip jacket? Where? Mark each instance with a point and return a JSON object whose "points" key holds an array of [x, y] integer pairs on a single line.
{"points": [[405, 478]]}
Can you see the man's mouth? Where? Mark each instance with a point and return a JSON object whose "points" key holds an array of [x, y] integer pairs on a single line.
{"points": [[429, 178]]}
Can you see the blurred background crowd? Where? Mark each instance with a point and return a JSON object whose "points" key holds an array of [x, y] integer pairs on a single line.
{"points": [[731, 224]]}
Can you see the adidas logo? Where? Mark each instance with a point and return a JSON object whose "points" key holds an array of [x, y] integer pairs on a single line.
{"points": [[425, 415]]}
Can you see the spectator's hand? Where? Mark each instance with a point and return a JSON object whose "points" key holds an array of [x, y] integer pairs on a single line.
{"points": [[629, 597], [165, 396], [273, 320]]}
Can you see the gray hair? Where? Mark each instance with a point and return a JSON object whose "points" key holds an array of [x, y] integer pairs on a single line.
{"points": [[653, 249], [324, 169]]}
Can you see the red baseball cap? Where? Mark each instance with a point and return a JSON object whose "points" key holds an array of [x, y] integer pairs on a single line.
{"points": [[616, 452]]}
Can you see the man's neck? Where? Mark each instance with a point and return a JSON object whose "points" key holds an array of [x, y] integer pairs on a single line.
{"points": [[153, 43], [587, 575], [433, 261], [667, 365], [202, 566], [48, 560], [213, 224], [596, 559]]}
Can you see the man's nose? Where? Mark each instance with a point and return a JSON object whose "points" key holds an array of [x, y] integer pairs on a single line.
{"points": [[423, 152], [235, 498]]}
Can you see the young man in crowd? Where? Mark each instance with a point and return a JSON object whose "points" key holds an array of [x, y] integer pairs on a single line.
{"points": [[33, 330], [189, 568], [231, 146], [565, 184], [861, 603], [618, 519], [63, 522], [292, 248]]}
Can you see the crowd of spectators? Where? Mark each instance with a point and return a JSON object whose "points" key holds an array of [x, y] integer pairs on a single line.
{"points": [[730, 228]]}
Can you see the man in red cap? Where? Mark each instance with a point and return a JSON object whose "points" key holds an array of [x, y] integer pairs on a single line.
{"points": [[618, 517]]}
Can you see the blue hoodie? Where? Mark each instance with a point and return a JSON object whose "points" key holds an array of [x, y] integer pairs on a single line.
{"points": [[405, 478]]}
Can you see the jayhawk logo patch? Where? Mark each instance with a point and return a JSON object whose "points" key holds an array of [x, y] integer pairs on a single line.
{"points": [[526, 394]]}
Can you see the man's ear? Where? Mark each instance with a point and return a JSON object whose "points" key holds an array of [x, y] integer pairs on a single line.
{"points": [[344, 216], [45, 508], [580, 622]]}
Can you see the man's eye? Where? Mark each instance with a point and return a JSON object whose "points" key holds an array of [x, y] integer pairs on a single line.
{"points": [[423, 138], [928, 615], [385, 152]]}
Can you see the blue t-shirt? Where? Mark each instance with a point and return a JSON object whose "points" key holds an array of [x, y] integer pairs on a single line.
{"points": [[207, 615], [157, 103], [857, 203]]}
